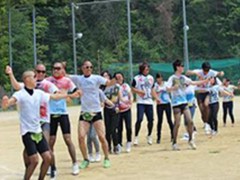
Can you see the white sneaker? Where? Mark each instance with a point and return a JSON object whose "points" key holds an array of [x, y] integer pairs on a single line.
{"points": [[185, 137], [207, 129], [214, 133], [192, 145], [128, 147], [98, 157], [75, 169], [49, 171], [91, 158], [135, 143], [119, 148], [149, 140], [175, 147]]}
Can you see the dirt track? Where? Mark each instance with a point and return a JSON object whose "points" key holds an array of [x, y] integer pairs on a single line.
{"points": [[216, 158]]}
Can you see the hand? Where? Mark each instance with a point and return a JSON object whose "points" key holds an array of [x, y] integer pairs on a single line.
{"points": [[5, 102], [76, 94], [8, 70], [141, 93], [221, 73]]}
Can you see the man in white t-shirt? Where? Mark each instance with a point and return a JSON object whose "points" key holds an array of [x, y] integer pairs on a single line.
{"points": [[203, 96], [177, 85], [91, 110], [29, 102]]}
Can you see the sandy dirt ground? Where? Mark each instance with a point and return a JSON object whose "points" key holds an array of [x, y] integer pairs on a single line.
{"points": [[216, 158]]}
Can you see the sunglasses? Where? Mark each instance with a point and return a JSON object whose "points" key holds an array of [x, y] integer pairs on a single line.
{"points": [[57, 68], [41, 71], [88, 67]]}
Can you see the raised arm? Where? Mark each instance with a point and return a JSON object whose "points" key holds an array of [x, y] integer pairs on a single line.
{"points": [[16, 85]]}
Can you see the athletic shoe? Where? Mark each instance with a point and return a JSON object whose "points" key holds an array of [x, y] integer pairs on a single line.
{"points": [[158, 141], [49, 171], [149, 140], [214, 133], [207, 129], [106, 163], [91, 158], [84, 164], [192, 145], [135, 143], [128, 147], [75, 169], [175, 147], [116, 150], [98, 157], [119, 148], [185, 137], [53, 174]]}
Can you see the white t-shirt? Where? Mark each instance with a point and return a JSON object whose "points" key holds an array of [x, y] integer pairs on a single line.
{"points": [[211, 73], [29, 109], [125, 92], [47, 87], [162, 93], [214, 93], [178, 96], [144, 83], [227, 98], [190, 95], [90, 100]]}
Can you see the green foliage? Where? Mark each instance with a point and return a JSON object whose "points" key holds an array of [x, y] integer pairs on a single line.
{"points": [[157, 32]]}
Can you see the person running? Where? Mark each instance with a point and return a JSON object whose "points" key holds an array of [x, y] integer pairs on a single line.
{"points": [[91, 110], [142, 85], [203, 96], [59, 116], [125, 112], [111, 114], [176, 85], [228, 101], [163, 104], [29, 101]]}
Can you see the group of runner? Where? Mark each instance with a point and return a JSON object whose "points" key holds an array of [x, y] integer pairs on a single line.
{"points": [[42, 103]]}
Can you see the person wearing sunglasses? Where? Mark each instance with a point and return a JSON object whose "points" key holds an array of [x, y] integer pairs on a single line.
{"points": [[203, 96], [59, 115], [89, 83], [176, 84], [29, 101]]}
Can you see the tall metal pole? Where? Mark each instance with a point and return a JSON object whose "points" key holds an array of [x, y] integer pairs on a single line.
{"points": [[34, 36], [129, 40], [74, 39], [10, 38], [185, 29]]}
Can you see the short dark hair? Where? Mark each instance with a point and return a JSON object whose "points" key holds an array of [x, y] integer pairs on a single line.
{"points": [[108, 73], [176, 63], [142, 66], [206, 66], [159, 75]]}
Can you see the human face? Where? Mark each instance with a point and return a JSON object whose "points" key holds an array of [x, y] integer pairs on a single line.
{"points": [[180, 68], [40, 72], [87, 68], [146, 70], [119, 78], [159, 80], [57, 70], [106, 75], [30, 80]]}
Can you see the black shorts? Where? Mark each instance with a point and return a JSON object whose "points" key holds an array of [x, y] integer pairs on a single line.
{"points": [[202, 96], [32, 146], [64, 122], [96, 117], [180, 108]]}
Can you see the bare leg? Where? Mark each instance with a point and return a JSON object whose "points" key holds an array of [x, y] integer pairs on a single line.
{"points": [[46, 156], [33, 161], [83, 128], [100, 130], [71, 147], [177, 119], [189, 122]]}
